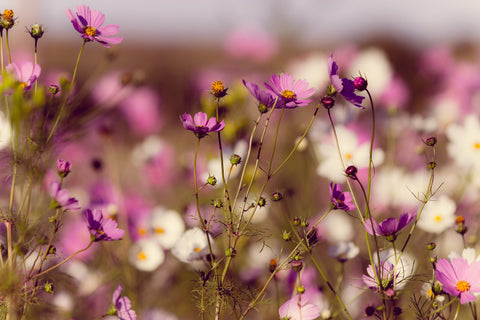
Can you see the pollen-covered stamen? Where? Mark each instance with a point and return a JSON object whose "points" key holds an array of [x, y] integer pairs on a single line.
{"points": [[100, 231], [438, 218], [141, 256], [217, 86], [159, 230], [90, 31], [463, 286], [476, 146], [8, 14], [289, 94], [23, 85]]}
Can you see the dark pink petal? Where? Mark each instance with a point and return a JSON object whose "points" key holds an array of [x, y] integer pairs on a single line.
{"points": [[389, 226], [83, 14], [116, 294], [333, 73], [405, 219], [187, 121], [368, 227]]}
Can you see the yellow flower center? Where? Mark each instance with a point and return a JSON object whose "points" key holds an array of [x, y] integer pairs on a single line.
{"points": [[463, 286], [8, 15], [141, 256], [438, 218], [288, 94], [197, 249], [348, 156], [23, 84], [476, 145], [159, 230], [142, 231], [100, 231], [217, 87], [90, 31]]}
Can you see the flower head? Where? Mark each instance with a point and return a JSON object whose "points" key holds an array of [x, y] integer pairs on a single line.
{"points": [[63, 167], [36, 31], [266, 98], [218, 89], [88, 23], [459, 278], [200, 124], [61, 198], [340, 200], [345, 87], [291, 93], [374, 278], [6, 19], [101, 230], [27, 73], [298, 308], [122, 305], [389, 227]]}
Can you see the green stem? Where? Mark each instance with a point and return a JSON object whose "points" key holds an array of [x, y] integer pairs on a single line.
{"points": [[68, 93]]}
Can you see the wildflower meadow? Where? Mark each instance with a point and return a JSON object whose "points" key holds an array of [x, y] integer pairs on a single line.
{"points": [[336, 183]]}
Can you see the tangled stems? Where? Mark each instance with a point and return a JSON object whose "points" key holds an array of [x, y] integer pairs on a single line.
{"points": [[70, 87]]}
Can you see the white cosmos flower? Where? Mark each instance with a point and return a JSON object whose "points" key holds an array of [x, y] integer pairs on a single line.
{"points": [[343, 251], [192, 245], [146, 254], [404, 265], [464, 142], [353, 153], [167, 226], [438, 215], [468, 254], [4, 131], [146, 150]]}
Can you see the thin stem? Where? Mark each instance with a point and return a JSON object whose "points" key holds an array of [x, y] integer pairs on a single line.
{"points": [[370, 161], [68, 93], [8, 47]]}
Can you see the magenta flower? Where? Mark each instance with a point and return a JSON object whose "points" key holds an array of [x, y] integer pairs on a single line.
{"points": [[88, 23], [385, 277], [340, 200], [459, 278], [122, 305], [291, 93], [265, 97], [344, 86], [26, 73], [61, 198], [102, 230], [389, 227], [200, 124]]}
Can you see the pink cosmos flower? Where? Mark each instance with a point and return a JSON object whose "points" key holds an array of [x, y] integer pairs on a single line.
{"points": [[61, 198], [102, 230], [385, 276], [88, 23], [340, 200], [389, 227], [123, 305], [291, 93], [298, 308], [343, 86], [26, 73], [459, 278], [200, 124], [63, 167], [265, 97]]}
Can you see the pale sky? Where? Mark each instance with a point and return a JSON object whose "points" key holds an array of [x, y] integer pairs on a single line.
{"points": [[209, 21]]}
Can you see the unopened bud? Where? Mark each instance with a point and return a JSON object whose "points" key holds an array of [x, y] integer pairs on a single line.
{"points": [[431, 246], [235, 159], [351, 172], [277, 196], [262, 202], [36, 31], [53, 89], [211, 180], [431, 141], [328, 102], [431, 165], [360, 83]]}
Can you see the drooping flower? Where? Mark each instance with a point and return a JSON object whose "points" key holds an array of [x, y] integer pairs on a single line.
{"points": [[459, 278], [61, 198], [122, 306], [200, 124], [27, 73], [101, 230], [344, 86], [88, 23], [340, 200], [266, 98], [389, 227], [291, 93]]}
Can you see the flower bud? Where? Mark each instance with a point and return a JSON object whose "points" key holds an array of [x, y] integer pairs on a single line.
{"points": [[262, 202], [327, 102], [300, 289], [397, 311], [296, 221], [431, 246], [230, 252], [273, 265], [277, 196], [262, 108], [211, 180], [286, 236], [461, 229], [431, 141], [63, 168], [297, 265], [431, 165], [351, 172], [6, 19], [369, 311], [217, 203], [54, 89], [360, 83], [36, 31], [235, 159], [48, 287], [460, 220], [331, 91]]}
